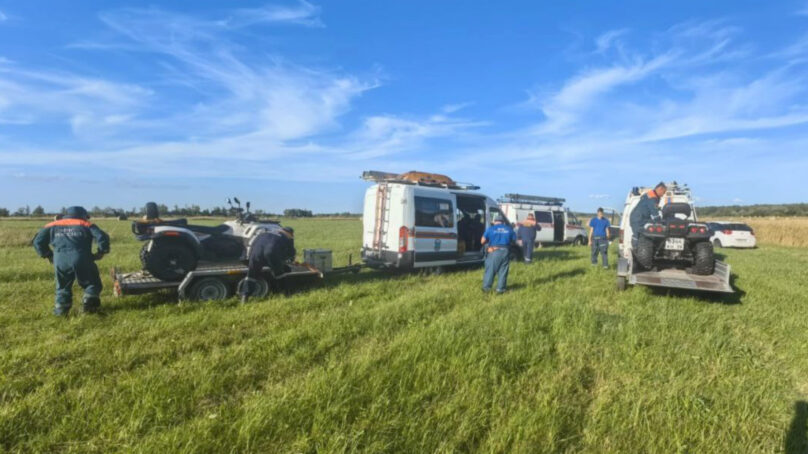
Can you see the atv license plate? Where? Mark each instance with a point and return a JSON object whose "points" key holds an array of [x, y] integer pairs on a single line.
{"points": [[675, 244]]}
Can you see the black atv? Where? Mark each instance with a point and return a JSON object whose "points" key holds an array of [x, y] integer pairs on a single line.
{"points": [[174, 247], [676, 241]]}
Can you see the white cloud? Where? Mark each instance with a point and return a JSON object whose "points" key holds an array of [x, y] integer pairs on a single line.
{"points": [[598, 196], [303, 13], [608, 39], [3, 17]]}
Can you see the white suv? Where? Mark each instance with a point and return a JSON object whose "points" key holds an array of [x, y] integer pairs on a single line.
{"points": [[732, 234]]}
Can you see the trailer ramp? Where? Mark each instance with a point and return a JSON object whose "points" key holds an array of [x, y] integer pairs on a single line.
{"points": [[719, 281]]}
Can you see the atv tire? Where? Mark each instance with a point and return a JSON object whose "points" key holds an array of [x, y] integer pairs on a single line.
{"points": [[704, 259], [644, 253], [168, 260]]}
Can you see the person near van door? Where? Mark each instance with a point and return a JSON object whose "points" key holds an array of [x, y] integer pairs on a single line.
{"points": [[72, 240], [477, 231], [272, 249], [599, 237], [527, 236], [497, 240], [646, 210]]}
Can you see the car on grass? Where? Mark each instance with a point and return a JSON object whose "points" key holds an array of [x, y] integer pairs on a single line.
{"points": [[732, 234]]}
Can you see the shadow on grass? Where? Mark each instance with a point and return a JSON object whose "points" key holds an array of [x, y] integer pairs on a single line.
{"points": [[796, 441], [557, 276], [552, 254]]}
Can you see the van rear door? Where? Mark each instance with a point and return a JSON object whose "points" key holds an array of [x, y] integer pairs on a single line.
{"points": [[435, 228], [545, 220]]}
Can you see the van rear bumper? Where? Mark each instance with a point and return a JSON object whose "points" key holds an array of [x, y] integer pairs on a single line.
{"points": [[388, 259]]}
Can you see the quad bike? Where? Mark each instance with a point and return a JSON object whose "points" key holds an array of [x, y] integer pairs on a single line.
{"points": [[173, 247], [675, 240]]}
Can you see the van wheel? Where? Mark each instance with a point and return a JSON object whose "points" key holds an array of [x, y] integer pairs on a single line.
{"points": [[209, 289], [579, 241], [622, 283]]}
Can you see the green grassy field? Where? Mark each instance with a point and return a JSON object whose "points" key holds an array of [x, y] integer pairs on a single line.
{"points": [[406, 363]]}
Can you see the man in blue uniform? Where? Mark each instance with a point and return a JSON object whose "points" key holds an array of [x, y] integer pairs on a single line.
{"points": [[599, 237], [72, 239], [497, 240], [272, 249], [646, 210]]}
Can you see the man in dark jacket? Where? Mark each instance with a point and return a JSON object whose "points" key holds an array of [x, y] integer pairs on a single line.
{"points": [[272, 249], [646, 210], [527, 236], [72, 239]]}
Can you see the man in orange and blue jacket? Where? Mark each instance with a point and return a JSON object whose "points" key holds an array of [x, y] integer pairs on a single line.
{"points": [[72, 238], [646, 210]]}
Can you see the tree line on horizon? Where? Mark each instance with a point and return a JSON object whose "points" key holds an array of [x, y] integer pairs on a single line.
{"points": [[186, 211]]}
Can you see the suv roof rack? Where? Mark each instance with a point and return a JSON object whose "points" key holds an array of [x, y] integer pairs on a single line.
{"points": [[387, 177], [531, 199]]}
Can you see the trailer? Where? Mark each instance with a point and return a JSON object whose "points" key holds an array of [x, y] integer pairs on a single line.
{"points": [[222, 280], [719, 281]]}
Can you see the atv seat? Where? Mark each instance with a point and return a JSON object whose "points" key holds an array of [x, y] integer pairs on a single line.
{"points": [[142, 226], [208, 230], [670, 211]]}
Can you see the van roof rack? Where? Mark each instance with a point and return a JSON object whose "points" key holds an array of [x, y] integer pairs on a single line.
{"points": [[531, 199], [387, 177]]}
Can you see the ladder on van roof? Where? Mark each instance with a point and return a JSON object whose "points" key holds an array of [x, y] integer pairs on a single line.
{"points": [[382, 216]]}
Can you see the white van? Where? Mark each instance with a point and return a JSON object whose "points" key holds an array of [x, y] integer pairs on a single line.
{"points": [[676, 194], [422, 220], [558, 224]]}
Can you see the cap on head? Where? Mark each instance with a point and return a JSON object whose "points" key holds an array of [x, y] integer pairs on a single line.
{"points": [[499, 218], [77, 213]]}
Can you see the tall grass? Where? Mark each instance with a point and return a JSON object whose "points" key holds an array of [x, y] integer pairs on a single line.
{"points": [[406, 363]]}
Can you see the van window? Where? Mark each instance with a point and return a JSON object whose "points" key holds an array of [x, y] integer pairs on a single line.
{"points": [[544, 217], [431, 212]]}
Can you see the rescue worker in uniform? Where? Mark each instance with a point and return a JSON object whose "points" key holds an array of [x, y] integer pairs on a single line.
{"points": [[646, 210], [71, 238], [497, 240], [272, 249]]}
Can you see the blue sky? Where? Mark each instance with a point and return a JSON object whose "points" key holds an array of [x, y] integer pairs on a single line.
{"points": [[286, 103]]}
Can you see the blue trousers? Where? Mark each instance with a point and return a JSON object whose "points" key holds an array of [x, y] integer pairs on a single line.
{"points": [[497, 263], [73, 266], [600, 245]]}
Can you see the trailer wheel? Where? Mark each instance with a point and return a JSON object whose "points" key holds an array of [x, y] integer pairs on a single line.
{"points": [[622, 283], [259, 288], [704, 263], [645, 253], [209, 289]]}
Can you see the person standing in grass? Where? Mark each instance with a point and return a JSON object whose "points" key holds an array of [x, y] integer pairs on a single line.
{"points": [[599, 237], [72, 239], [497, 240], [527, 236]]}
